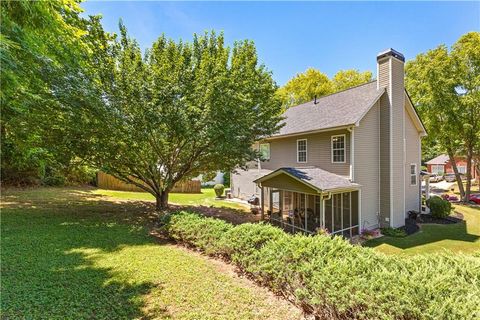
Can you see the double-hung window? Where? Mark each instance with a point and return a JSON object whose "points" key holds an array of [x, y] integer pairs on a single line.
{"points": [[302, 150], [338, 149], [413, 174], [265, 151], [462, 169]]}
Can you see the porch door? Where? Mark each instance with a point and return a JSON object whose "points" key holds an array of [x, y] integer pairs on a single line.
{"points": [[276, 204]]}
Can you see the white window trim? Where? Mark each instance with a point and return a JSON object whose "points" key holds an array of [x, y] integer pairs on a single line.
{"points": [[464, 169], [344, 148], [260, 149], [306, 151], [411, 174], [435, 168]]}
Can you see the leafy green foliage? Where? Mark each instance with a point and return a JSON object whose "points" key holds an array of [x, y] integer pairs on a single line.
{"points": [[345, 79], [219, 189], [47, 81], [305, 86], [333, 279], [439, 207], [444, 86], [392, 232], [182, 110]]}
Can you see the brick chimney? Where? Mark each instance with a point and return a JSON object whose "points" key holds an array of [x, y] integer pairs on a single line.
{"points": [[390, 76]]}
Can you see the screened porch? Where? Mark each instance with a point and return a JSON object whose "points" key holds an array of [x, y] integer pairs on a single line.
{"points": [[303, 212], [308, 199]]}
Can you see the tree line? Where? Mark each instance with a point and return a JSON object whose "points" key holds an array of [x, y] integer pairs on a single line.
{"points": [[76, 99], [72, 92]]}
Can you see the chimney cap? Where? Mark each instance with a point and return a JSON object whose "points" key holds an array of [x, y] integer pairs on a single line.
{"points": [[391, 53]]}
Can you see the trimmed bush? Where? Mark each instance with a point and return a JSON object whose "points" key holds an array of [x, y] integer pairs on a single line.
{"points": [[391, 232], [219, 188], [192, 229], [439, 208], [332, 279]]}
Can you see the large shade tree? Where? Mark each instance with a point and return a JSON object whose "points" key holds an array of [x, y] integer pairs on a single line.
{"points": [[181, 110], [445, 85]]}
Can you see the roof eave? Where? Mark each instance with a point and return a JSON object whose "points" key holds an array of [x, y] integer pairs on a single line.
{"points": [[300, 133]]}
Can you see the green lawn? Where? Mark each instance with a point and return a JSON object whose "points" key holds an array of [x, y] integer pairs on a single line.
{"points": [[206, 198], [73, 254], [459, 237]]}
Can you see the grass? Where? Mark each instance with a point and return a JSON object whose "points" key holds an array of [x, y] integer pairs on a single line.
{"points": [[73, 253], [459, 237], [206, 198]]}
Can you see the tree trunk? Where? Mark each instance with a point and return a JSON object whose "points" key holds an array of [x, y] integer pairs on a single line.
{"points": [[469, 175], [451, 156], [162, 200]]}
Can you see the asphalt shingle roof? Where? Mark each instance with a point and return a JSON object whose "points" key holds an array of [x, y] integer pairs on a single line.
{"points": [[335, 110], [318, 178], [441, 159]]}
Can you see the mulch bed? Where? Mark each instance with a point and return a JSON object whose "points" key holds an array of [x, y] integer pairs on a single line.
{"points": [[410, 227], [427, 218]]}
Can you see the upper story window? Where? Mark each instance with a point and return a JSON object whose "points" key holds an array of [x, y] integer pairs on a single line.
{"points": [[302, 150], [264, 151], [338, 149], [413, 174]]}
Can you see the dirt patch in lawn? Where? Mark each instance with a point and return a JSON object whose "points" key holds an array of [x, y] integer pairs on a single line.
{"points": [[230, 215]]}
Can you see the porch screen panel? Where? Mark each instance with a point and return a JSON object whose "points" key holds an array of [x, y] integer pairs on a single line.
{"points": [[337, 215], [355, 203], [346, 223], [266, 199], [329, 214], [313, 215]]}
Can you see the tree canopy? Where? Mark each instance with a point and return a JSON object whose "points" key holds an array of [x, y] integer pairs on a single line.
{"points": [[184, 109], [45, 71], [305, 86], [72, 92], [445, 85]]}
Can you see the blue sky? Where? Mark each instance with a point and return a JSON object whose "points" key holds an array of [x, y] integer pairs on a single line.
{"points": [[292, 36]]}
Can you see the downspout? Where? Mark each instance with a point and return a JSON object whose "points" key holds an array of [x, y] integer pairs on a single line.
{"points": [[329, 196], [352, 153]]}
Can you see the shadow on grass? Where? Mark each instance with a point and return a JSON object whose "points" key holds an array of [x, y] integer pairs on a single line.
{"points": [[48, 257]]}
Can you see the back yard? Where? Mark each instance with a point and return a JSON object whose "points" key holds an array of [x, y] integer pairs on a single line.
{"points": [[76, 253], [459, 237]]}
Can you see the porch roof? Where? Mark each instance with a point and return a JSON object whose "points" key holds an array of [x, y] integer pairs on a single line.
{"points": [[316, 179]]}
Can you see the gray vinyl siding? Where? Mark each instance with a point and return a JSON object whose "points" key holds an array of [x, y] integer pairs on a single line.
{"points": [[242, 185], [384, 161], [412, 193], [398, 143], [367, 165], [283, 152]]}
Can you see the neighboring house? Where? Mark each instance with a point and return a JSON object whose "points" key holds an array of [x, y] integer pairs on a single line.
{"points": [[218, 179], [344, 162], [443, 165]]}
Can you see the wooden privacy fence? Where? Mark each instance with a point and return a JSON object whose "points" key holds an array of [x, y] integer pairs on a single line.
{"points": [[106, 181]]}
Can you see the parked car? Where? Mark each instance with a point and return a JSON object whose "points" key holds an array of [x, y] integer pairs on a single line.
{"points": [[434, 177], [475, 198], [450, 197], [451, 177]]}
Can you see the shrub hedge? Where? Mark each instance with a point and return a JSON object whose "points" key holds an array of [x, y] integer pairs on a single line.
{"points": [[439, 207], [332, 279]]}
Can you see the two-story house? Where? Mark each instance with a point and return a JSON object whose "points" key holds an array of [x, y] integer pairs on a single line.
{"points": [[344, 162]]}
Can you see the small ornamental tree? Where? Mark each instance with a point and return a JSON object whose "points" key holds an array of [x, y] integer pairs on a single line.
{"points": [[181, 110]]}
